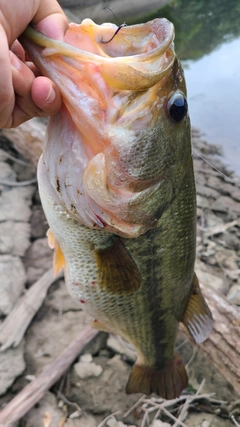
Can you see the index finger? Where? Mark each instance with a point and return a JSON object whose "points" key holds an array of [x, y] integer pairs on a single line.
{"points": [[7, 97]]}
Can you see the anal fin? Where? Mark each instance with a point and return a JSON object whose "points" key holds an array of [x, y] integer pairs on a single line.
{"points": [[197, 317], [99, 326], [167, 382]]}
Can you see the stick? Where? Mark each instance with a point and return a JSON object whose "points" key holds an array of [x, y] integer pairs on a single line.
{"points": [[35, 390], [222, 348], [13, 328]]}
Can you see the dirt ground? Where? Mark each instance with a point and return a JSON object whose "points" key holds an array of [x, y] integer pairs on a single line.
{"points": [[93, 388]]}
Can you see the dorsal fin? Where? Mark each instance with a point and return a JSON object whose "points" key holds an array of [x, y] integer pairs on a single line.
{"points": [[197, 317]]}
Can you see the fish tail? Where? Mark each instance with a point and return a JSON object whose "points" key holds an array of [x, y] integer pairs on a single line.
{"points": [[168, 382]]}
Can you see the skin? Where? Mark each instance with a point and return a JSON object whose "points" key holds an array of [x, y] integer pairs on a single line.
{"points": [[23, 92]]}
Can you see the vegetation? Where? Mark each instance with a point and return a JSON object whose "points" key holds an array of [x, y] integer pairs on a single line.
{"points": [[201, 25]]}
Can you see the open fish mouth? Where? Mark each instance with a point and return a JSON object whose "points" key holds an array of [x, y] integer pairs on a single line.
{"points": [[106, 171], [144, 50]]}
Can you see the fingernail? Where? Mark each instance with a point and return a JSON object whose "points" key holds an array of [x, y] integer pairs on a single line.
{"points": [[51, 96], [15, 61]]}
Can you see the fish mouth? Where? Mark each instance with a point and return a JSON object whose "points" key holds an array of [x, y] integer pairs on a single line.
{"points": [[100, 159], [130, 57]]}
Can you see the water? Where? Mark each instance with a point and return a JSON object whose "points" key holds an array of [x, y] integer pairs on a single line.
{"points": [[214, 99], [208, 43]]}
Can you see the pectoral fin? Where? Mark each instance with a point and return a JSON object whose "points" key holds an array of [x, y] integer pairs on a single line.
{"points": [[58, 257], [197, 317], [117, 272]]}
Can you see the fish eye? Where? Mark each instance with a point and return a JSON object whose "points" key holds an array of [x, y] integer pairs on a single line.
{"points": [[177, 107]]}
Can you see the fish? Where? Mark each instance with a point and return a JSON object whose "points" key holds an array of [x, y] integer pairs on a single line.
{"points": [[116, 182]]}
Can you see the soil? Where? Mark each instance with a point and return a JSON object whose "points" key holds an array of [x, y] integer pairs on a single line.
{"points": [[94, 386]]}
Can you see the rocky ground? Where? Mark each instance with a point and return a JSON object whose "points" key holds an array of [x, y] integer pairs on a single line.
{"points": [[93, 387]]}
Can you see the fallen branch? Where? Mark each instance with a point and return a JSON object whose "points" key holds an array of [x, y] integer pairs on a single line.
{"points": [[222, 348], [13, 328], [35, 390]]}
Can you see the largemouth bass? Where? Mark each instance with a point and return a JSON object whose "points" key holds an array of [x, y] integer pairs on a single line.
{"points": [[117, 186]]}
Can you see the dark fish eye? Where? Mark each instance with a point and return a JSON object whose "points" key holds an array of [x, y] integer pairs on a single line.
{"points": [[177, 107]]}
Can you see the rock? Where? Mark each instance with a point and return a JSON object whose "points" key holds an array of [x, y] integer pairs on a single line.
{"points": [[159, 423], [114, 423], [38, 259], [227, 259], [39, 225], [14, 237], [6, 172], [86, 420], [106, 393], [199, 369], [45, 413], [86, 370], [205, 191], [206, 276], [233, 295], [203, 202], [86, 358], [226, 204], [60, 300], [197, 420], [97, 344], [13, 278], [12, 365], [50, 333], [15, 204], [117, 345], [214, 182]]}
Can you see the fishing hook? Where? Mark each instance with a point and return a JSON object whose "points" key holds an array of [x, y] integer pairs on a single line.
{"points": [[117, 30]]}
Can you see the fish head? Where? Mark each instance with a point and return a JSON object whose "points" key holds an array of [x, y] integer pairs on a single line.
{"points": [[118, 151]]}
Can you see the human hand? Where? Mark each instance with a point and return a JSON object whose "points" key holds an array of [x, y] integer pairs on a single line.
{"points": [[23, 93]]}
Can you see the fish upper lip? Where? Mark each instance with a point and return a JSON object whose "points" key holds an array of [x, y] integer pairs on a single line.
{"points": [[53, 46], [153, 52]]}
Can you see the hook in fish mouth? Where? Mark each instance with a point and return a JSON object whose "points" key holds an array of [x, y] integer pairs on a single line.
{"points": [[124, 63], [114, 35]]}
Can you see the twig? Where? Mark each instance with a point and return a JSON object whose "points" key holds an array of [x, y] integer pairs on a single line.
{"points": [[134, 406], [16, 160], [145, 418], [13, 328], [191, 358], [65, 400], [34, 391], [177, 421], [218, 229], [184, 411], [18, 184], [235, 422]]}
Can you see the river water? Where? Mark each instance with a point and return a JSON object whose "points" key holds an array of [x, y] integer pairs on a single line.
{"points": [[208, 43], [213, 83]]}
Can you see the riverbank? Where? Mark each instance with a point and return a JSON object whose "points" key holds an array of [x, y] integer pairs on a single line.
{"points": [[96, 383]]}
